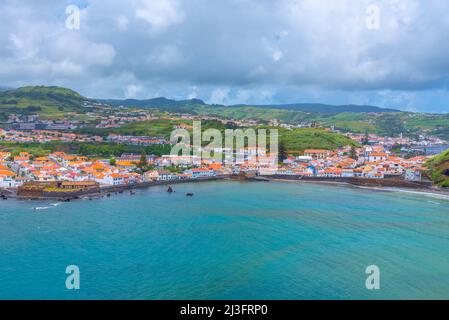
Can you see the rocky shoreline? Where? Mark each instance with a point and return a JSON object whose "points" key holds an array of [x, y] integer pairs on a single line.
{"points": [[104, 190], [380, 184]]}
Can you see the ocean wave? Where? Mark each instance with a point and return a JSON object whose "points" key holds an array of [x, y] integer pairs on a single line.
{"points": [[422, 193], [41, 208]]}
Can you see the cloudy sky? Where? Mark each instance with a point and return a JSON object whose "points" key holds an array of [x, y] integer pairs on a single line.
{"points": [[392, 53]]}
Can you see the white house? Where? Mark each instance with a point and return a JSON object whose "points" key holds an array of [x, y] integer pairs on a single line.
{"points": [[347, 173], [167, 176], [200, 173], [377, 156], [412, 175], [112, 179], [152, 175]]}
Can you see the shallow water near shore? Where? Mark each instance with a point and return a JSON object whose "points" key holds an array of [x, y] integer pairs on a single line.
{"points": [[231, 240]]}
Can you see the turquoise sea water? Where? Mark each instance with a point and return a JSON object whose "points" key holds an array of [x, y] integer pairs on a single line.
{"points": [[232, 240]]}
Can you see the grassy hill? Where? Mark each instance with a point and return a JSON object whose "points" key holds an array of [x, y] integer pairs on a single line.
{"points": [[302, 139], [439, 169], [359, 119], [294, 140], [46, 101]]}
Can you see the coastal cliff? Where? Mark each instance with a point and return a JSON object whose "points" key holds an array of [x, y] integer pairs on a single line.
{"points": [[439, 169]]}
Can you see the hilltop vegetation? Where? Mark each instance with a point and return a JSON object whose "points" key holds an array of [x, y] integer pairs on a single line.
{"points": [[102, 150], [439, 169], [294, 140], [45, 101], [358, 119], [302, 139]]}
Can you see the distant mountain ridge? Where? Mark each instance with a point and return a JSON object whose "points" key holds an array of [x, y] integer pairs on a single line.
{"points": [[302, 107], [152, 103], [326, 108], [51, 96]]}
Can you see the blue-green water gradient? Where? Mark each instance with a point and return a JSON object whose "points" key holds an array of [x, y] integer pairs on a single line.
{"points": [[232, 240]]}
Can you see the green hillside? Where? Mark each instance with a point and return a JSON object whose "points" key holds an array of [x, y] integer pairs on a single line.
{"points": [[54, 102], [439, 169], [389, 122], [46, 101], [294, 140], [301, 139]]}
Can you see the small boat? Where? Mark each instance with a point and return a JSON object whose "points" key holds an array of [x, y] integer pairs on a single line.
{"points": [[170, 190], [189, 194]]}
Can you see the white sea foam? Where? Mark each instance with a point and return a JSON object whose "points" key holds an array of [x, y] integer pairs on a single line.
{"points": [[41, 208], [422, 193]]}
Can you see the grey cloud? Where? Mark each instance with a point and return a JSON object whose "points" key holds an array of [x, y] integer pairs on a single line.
{"points": [[255, 50]]}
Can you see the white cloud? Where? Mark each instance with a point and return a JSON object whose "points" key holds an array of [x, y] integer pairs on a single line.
{"points": [[193, 94], [219, 96], [122, 23], [168, 56], [282, 47], [132, 91], [159, 14]]}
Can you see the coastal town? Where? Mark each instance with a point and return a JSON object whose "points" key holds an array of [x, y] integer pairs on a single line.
{"points": [[234, 159], [23, 171], [60, 172], [372, 162]]}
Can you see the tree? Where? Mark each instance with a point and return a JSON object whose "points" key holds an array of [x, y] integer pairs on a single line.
{"points": [[353, 153], [283, 154], [365, 140], [143, 162], [112, 161]]}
